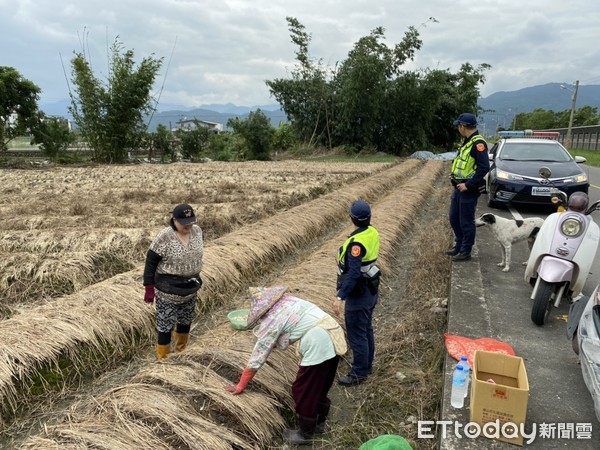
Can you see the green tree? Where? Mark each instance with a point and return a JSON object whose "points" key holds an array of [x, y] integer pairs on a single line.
{"points": [[538, 119], [18, 105], [109, 114], [163, 143], [542, 119], [407, 113], [257, 132], [362, 87], [195, 142], [284, 137], [370, 102], [53, 135], [306, 97], [561, 119], [222, 147], [587, 115], [459, 93]]}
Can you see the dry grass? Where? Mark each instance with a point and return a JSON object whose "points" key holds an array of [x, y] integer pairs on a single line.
{"points": [[407, 385], [66, 228], [134, 196], [191, 383], [111, 315]]}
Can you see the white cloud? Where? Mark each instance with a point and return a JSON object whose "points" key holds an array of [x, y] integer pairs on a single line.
{"points": [[222, 52]]}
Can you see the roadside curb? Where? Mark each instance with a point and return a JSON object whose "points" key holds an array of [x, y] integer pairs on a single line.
{"points": [[467, 306], [484, 301]]}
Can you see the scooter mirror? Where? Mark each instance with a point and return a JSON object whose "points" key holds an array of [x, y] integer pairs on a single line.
{"points": [[545, 172], [595, 207]]}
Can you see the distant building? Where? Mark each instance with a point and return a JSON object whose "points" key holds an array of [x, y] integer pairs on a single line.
{"points": [[12, 120], [192, 124], [63, 120]]}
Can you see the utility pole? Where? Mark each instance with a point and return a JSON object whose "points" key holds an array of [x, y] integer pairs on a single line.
{"points": [[515, 119], [573, 101]]}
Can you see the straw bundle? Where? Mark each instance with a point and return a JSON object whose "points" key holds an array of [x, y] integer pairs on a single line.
{"points": [[38, 337], [191, 382], [55, 213], [111, 313], [41, 265], [79, 240], [232, 259]]}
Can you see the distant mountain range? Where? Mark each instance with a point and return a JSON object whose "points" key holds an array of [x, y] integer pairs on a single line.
{"points": [[215, 113], [168, 115], [500, 107]]}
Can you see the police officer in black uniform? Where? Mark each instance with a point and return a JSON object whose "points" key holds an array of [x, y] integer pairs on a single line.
{"points": [[357, 291], [468, 171]]}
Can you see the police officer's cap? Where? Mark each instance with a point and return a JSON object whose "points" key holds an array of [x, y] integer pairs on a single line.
{"points": [[466, 119], [360, 210]]}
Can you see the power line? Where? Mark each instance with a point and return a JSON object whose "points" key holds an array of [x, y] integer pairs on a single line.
{"points": [[597, 78], [163, 84]]}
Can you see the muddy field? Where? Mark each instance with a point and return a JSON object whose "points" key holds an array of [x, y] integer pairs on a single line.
{"points": [[78, 370]]}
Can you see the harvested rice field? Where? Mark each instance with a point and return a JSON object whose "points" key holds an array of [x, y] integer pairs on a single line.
{"points": [[64, 229], [77, 364]]}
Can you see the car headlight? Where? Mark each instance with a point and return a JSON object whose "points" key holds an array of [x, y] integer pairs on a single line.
{"points": [[507, 175], [571, 227], [581, 178]]}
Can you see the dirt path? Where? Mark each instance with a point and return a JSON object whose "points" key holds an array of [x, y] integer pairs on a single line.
{"points": [[400, 303]]}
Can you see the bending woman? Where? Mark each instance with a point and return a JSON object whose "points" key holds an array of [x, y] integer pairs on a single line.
{"points": [[282, 319]]}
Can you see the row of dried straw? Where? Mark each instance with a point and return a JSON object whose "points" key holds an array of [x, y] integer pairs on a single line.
{"points": [[63, 244], [111, 315], [181, 403], [36, 266]]}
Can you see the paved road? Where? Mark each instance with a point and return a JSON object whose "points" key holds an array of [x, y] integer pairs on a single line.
{"points": [[486, 302]]}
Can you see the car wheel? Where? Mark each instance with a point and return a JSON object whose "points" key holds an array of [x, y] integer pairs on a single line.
{"points": [[490, 198]]}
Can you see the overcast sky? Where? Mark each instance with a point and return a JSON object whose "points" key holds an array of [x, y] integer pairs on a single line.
{"points": [[223, 51]]}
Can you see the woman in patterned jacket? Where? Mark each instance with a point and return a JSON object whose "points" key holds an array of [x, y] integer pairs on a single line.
{"points": [[172, 273], [283, 319]]}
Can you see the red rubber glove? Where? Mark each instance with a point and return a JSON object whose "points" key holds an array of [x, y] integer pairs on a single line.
{"points": [[149, 294], [246, 377]]}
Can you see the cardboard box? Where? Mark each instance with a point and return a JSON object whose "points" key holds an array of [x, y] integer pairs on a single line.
{"points": [[506, 398]]}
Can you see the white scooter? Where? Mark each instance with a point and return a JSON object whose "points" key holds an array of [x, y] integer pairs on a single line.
{"points": [[562, 255]]}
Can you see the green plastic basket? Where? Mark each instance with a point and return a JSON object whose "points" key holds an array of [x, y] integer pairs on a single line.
{"points": [[239, 318]]}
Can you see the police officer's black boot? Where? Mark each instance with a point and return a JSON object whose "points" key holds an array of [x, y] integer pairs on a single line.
{"points": [[461, 257], [350, 380], [453, 251]]}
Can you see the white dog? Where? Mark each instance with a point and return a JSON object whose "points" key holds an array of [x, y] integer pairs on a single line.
{"points": [[509, 231]]}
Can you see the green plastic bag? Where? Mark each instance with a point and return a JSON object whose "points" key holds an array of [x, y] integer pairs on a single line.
{"points": [[386, 442]]}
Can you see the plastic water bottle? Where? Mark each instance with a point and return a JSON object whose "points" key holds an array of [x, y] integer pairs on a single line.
{"points": [[459, 381], [464, 361]]}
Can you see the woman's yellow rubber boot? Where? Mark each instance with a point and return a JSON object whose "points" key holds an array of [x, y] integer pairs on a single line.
{"points": [[162, 350], [181, 340]]}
